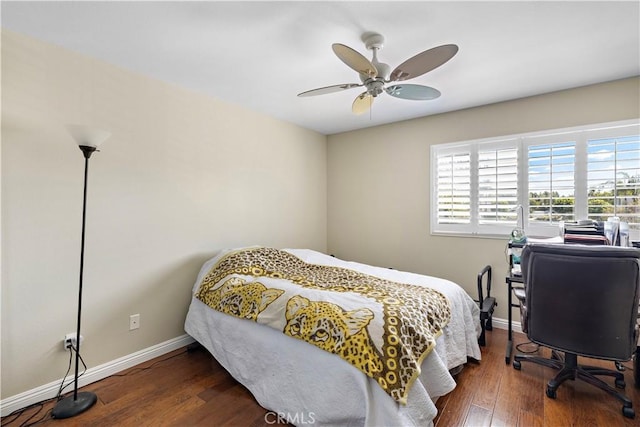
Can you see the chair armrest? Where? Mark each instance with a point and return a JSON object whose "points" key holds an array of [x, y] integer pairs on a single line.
{"points": [[485, 271]]}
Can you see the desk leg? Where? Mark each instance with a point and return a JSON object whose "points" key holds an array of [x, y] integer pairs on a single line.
{"points": [[636, 367], [507, 358]]}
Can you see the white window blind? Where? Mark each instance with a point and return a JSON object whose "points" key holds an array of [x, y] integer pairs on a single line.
{"points": [[454, 188], [587, 172], [497, 186], [551, 177]]}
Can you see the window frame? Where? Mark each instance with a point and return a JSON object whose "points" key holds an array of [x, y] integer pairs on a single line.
{"points": [[580, 134]]}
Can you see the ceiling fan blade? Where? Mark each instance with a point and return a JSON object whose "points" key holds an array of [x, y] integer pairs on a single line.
{"points": [[424, 62], [362, 103], [329, 89], [354, 60], [415, 92]]}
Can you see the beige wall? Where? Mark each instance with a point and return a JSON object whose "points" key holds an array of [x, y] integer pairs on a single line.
{"points": [[182, 176], [379, 189]]}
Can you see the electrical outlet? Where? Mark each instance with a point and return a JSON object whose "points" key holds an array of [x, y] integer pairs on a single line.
{"points": [[70, 340], [134, 321]]}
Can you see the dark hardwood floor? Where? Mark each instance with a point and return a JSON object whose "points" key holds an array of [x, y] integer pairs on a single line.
{"points": [[491, 393], [191, 389]]}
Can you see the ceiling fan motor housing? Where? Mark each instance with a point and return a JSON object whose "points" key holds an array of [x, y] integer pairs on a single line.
{"points": [[375, 85]]}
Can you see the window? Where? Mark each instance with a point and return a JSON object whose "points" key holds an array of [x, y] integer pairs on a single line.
{"points": [[564, 175]]}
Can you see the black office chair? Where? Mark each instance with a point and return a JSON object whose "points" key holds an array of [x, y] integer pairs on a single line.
{"points": [[582, 301]]}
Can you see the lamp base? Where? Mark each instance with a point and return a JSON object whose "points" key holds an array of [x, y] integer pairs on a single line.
{"points": [[70, 407]]}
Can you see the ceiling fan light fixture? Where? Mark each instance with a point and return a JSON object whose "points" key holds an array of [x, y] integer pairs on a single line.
{"points": [[375, 87]]}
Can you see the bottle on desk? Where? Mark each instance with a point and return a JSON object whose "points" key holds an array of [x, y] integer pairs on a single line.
{"points": [[516, 243]]}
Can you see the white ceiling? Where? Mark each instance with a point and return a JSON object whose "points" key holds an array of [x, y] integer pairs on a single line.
{"points": [[262, 54]]}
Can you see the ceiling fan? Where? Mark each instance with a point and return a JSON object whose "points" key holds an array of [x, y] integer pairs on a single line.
{"points": [[374, 75]]}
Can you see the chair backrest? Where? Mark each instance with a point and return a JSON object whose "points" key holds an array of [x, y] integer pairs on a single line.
{"points": [[583, 299]]}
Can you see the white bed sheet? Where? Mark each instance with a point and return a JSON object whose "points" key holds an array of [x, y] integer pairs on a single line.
{"points": [[310, 386]]}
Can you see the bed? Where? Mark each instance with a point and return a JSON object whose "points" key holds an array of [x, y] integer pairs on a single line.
{"points": [[305, 384]]}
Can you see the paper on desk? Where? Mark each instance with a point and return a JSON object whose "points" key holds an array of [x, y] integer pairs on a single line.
{"points": [[556, 239]]}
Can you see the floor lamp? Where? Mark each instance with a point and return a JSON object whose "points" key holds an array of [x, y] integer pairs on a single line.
{"points": [[88, 140]]}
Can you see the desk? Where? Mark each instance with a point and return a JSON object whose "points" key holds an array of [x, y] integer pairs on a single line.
{"points": [[511, 279]]}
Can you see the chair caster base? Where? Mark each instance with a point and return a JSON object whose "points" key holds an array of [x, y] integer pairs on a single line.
{"points": [[551, 393], [628, 412], [517, 365]]}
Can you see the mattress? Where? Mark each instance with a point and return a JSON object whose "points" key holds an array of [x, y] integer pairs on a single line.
{"points": [[306, 385]]}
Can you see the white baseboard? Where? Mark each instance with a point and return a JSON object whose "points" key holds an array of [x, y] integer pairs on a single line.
{"points": [[504, 324], [92, 375]]}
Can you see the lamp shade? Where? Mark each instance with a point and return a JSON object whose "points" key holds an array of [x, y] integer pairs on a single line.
{"points": [[88, 136]]}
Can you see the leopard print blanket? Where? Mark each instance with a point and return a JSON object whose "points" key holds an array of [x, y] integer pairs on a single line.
{"points": [[383, 328]]}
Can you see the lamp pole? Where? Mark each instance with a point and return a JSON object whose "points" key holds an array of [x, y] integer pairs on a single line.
{"points": [[87, 151], [79, 402]]}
